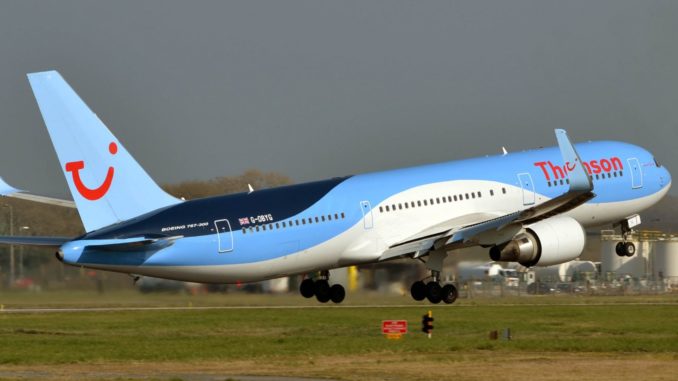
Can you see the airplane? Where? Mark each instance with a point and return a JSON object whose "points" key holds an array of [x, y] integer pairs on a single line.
{"points": [[529, 207]]}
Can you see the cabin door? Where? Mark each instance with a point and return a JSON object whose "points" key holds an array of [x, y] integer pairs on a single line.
{"points": [[366, 208], [636, 173], [224, 235], [528, 188]]}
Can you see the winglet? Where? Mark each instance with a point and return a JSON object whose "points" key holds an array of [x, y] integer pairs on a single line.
{"points": [[6, 189], [579, 179]]}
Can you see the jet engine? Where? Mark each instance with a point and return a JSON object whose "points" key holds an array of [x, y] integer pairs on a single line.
{"points": [[549, 242]]}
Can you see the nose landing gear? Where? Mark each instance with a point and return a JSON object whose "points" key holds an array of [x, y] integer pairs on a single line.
{"points": [[322, 290], [625, 248]]}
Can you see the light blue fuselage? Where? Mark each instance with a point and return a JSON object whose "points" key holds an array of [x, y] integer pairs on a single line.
{"points": [[353, 225]]}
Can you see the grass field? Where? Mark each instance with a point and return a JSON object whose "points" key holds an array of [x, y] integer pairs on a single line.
{"points": [[554, 338]]}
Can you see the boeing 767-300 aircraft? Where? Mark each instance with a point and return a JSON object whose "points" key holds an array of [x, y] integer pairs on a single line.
{"points": [[529, 207]]}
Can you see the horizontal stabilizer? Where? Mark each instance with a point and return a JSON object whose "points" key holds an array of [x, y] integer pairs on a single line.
{"points": [[9, 191], [34, 241], [134, 244]]}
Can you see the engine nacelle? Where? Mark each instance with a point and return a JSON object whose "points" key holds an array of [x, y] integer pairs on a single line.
{"points": [[549, 242]]}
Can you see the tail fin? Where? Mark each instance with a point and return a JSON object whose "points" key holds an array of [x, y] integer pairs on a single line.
{"points": [[107, 184]]}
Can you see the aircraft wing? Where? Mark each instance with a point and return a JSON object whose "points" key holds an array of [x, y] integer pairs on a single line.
{"points": [[9, 191], [503, 226]]}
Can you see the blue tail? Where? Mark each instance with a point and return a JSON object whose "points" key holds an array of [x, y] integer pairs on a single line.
{"points": [[107, 184]]}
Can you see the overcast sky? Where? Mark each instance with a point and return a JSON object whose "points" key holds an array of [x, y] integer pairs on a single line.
{"points": [[316, 89]]}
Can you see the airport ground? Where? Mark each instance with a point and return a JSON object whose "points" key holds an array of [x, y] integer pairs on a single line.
{"points": [[67, 335]]}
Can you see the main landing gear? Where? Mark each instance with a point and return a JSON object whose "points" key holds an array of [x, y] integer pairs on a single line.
{"points": [[625, 248], [433, 291], [322, 290]]}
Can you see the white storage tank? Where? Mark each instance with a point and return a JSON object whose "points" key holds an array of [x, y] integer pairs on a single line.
{"points": [[564, 272], [665, 260], [553, 273]]}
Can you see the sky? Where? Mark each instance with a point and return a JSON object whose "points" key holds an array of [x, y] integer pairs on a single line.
{"points": [[317, 89]]}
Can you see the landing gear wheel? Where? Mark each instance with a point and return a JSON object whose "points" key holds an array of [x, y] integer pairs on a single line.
{"points": [[629, 249], [337, 293], [322, 291], [307, 288], [434, 292], [418, 291], [619, 249], [449, 293]]}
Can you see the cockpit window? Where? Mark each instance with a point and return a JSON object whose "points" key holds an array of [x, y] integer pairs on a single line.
{"points": [[657, 163]]}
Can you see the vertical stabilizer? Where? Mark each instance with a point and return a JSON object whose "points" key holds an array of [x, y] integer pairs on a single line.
{"points": [[107, 184]]}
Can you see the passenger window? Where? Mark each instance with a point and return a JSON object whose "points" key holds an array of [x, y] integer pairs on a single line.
{"points": [[322, 218], [329, 216], [303, 221], [244, 231], [473, 195], [492, 191], [431, 201], [455, 197], [407, 206], [418, 203], [257, 228], [503, 190], [412, 204], [387, 208], [284, 225], [342, 215], [277, 225], [425, 203], [467, 196], [381, 210], [336, 216], [609, 176], [400, 206], [449, 198], [317, 220], [263, 227], [480, 195]]}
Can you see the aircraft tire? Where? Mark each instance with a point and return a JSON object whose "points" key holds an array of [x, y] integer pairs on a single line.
{"points": [[337, 293], [449, 293], [619, 249], [418, 291], [322, 291], [629, 249], [434, 292], [307, 288]]}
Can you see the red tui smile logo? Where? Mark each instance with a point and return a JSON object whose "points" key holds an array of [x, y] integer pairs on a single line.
{"points": [[96, 193]]}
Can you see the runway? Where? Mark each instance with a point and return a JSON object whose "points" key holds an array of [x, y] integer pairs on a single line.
{"points": [[320, 306]]}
